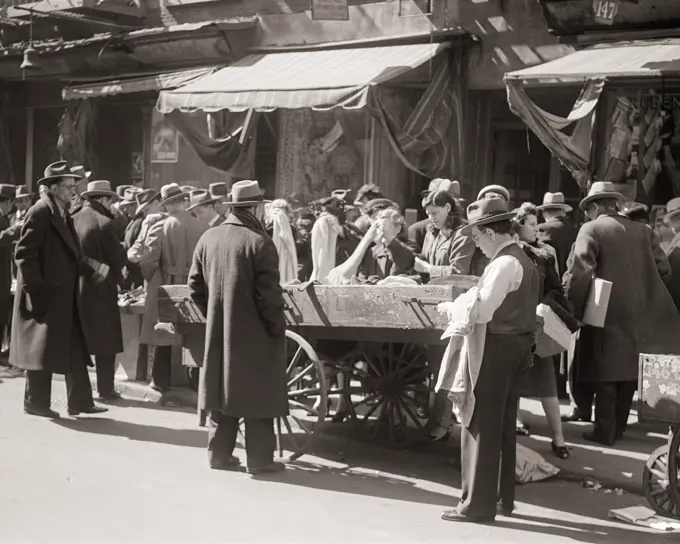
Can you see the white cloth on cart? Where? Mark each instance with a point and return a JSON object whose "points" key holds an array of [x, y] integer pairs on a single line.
{"points": [[282, 236]]}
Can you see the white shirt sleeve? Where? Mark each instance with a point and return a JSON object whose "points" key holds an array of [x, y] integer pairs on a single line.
{"points": [[502, 276]]}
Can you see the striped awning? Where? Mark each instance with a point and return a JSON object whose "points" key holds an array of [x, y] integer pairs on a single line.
{"points": [[621, 60], [151, 82], [319, 79]]}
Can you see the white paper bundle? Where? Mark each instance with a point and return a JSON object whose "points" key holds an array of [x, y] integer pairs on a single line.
{"points": [[597, 302], [555, 337]]}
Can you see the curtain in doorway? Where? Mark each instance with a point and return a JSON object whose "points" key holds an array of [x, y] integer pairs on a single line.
{"points": [[570, 139], [430, 141], [76, 133], [217, 138]]}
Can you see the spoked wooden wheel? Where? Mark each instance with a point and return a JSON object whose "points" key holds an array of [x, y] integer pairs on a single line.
{"points": [[657, 485], [385, 391], [307, 398], [674, 469]]}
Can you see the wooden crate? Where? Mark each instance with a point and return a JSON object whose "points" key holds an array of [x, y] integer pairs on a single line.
{"points": [[659, 388]]}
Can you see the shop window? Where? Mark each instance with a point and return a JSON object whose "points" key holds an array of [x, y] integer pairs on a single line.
{"points": [[521, 164]]}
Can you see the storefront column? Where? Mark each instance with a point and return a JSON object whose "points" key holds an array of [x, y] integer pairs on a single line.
{"points": [[30, 127]]}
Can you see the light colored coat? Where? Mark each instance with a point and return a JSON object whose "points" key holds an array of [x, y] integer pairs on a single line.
{"points": [[166, 260]]}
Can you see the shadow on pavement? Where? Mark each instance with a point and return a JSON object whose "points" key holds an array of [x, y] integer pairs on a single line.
{"points": [[194, 438]]}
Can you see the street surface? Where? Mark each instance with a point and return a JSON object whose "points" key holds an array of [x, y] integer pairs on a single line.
{"points": [[140, 475]]}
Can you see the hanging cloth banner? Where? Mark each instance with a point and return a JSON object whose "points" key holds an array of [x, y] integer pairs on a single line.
{"points": [[569, 139]]}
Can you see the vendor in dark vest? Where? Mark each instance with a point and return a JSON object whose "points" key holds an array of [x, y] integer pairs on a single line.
{"points": [[508, 295]]}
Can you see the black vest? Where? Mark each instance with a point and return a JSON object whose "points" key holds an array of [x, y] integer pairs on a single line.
{"points": [[517, 313]]}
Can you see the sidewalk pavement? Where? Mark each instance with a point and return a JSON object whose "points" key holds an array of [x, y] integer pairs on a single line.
{"points": [[616, 467]]}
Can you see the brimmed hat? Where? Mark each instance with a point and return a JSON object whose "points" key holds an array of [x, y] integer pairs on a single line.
{"points": [[201, 197], [120, 190], [494, 189], [170, 193], [485, 212], [129, 197], [22, 192], [188, 188], [443, 184], [365, 190], [554, 201], [672, 208], [7, 192], [601, 190], [79, 170], [56, 172], [246, 193], [218, 190], [99, 188], [146, 197]]}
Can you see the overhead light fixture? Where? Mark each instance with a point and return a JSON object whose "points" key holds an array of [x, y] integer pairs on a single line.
{"points": [[31, 60]]}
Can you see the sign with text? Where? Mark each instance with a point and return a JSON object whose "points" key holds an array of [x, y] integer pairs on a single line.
{"points": [[605, 11], [330, 10]]}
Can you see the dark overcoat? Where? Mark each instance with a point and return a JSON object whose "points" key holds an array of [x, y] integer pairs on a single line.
{"points": [[560, 233], [46, 319], [8, 236], [100, 239], [674, 283], [641, 317], [234, 279], [132, 274]]}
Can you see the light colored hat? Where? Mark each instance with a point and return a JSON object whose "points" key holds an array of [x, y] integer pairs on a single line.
{"points": [[494, 189], [57, 171], [246, 193], [146, 197], [22, 192], [443, 184], [129, 197], [554, 201], [601, 190], [219, 190], [486, 211], [120, 190], [672, 208], [188, 188], [201, 197], [79, 170], [171, 192], [99, 188]]}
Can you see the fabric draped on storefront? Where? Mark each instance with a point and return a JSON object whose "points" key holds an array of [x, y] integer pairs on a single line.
{"points": [[570, 138], [218, 138], [76, 132]]}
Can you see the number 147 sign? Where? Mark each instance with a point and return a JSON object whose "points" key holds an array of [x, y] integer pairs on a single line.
{"points": [[605, 11]]}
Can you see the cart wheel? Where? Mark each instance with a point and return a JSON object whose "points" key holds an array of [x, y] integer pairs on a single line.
{"points": [[307, 398], [673, 470], [386, 389], [656, 484]]}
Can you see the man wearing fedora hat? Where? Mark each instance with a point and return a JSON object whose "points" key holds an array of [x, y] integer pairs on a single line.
{"points": [[640, 318], [22, 201], [507, 295], [204, 207], [146, 205], [47, 322], [557, 230], [220, 191], [9, 234], [100, 240], [234, 279], [167, 249]]}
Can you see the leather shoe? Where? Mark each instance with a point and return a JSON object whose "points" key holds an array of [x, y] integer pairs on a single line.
{"points": [[577, 415], [271, 468], [592, 437], [90, 410], [503, 511], [455, 515], [41, 412], [109, 397], [231, 463]]}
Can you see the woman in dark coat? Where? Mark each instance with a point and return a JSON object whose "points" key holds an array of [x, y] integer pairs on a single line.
{"points": [[541, 382], [99, 238], [47, 333], [234, 279]]}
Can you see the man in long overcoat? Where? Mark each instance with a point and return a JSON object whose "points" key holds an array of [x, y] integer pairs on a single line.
{"points": [[641, 316], [8, 236], [99, 238], [47, 333], [148, 203], [167, 251], [559, 232], [234, 279]]}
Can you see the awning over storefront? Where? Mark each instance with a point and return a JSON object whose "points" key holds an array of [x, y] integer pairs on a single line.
{"points": [[151, 82], [319, 79], [622, 60]]}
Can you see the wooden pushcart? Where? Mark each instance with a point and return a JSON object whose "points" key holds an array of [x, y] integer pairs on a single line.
{"points": [[360, 346], [659, 388]]}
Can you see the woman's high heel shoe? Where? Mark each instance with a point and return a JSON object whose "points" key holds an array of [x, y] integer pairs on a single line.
{"points": [[560, 451]]}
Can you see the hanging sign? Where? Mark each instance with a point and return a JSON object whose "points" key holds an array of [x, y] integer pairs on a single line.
{"points": [[605, 11], [330, 10]]}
